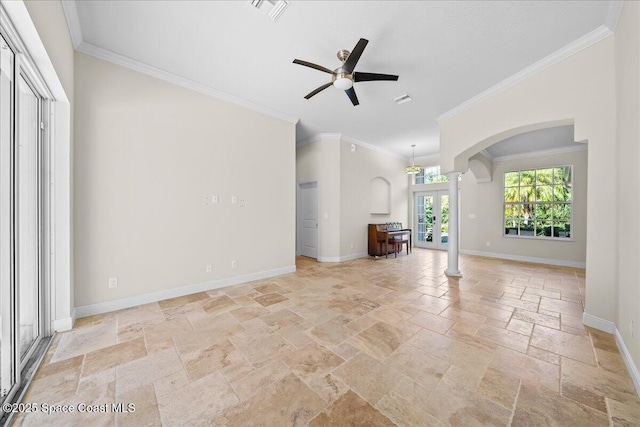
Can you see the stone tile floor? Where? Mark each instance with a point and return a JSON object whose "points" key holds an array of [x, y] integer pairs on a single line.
{"points": [[370, 342]]}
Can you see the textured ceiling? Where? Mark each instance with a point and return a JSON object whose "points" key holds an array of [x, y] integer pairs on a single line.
{"points": [[444, 52]]}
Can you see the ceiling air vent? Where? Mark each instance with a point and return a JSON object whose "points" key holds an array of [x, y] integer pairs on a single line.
{"points": [[401, 99], [273, 8]]}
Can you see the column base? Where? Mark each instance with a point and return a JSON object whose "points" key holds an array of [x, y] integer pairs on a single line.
{"points": [[454, 273]]}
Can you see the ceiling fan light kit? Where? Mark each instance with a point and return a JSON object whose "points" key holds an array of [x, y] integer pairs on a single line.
{"points": [[343, 82], [344, 77]]}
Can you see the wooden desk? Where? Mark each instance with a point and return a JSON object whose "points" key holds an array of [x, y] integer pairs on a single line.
{"points": [[378, 234]]}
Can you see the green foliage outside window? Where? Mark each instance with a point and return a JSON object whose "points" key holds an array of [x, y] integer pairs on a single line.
{"points": [[537, 202], [430, 175]]}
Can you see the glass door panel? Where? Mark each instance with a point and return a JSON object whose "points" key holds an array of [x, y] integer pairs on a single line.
{"points": [[22, 203], [431, 219], [444, 218], [28, 190], [7, 376], [424, 217]]}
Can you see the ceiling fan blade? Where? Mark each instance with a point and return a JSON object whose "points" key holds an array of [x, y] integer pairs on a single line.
{"points": [[318, 90], [354, 56], [351, 93], [370, 77], [312, 65]]}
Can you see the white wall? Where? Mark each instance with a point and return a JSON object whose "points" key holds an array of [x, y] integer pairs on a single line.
{"points": [[357, 169], [319, 161], [148, 154], [344, 192], [627, 59], [579, 89], [485, 201]]}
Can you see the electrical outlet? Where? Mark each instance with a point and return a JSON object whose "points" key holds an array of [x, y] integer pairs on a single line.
{"points": [[351, 245], [214, 198], [234, 263], [208, 268], [242, 203], [113, 282], [488, 243]]}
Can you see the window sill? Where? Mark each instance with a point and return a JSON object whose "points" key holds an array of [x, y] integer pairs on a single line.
{"points": [[544, 238]]}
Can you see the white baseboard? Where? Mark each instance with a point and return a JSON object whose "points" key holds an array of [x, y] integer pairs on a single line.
{"points": [[611, 328], [66, 324], [342, 258], [328, 259], [353, 256], [598, 323], [536, 260], [107, 306], [628, 360]]}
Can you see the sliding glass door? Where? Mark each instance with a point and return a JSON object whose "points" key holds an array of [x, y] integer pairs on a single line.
{"points": [[22, 169], [28, 218]]}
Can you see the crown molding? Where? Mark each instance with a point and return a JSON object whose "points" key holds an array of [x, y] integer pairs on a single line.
{"points": [[325, 136], [318, 137], [73, 22], [70, 10], [583, 42], [374, 148], [540, 153], [114, 58], [613, 14]]}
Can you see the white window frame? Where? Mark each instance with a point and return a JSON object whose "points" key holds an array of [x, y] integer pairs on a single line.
{"points": [[420, 176], [534, 203]]}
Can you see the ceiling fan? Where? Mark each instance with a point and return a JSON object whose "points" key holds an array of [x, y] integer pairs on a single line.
{"points": [[344, 77]]}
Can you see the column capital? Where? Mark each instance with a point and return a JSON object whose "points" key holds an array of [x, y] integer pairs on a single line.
{"points": [[453, 174]]}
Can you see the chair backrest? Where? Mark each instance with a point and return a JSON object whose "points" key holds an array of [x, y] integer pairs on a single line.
{"points": [[393, 226]]}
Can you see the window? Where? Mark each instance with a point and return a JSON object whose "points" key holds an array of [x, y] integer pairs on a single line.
{"points": [[430, 175], [538, 202]]}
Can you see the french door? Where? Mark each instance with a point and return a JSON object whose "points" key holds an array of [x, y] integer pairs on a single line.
{"points": [[431, 219], [22, 225]]}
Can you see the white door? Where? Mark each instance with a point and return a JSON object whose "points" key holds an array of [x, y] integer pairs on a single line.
{"points": [[309, 219], [431, 219]]}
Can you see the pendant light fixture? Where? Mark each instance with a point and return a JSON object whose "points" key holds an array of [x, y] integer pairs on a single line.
{"points": [[413, 169]]}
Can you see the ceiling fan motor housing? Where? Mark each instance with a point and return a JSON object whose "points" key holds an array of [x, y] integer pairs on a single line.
{"points": [[343, 54]]}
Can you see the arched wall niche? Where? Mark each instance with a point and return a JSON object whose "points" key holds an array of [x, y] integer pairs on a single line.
{"points": [[380, 196]]}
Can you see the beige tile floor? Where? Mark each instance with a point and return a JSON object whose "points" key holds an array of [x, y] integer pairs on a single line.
{"points": [[371, 342]]}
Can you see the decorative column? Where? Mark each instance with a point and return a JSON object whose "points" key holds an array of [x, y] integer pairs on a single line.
{"points": [[452, 243]]}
